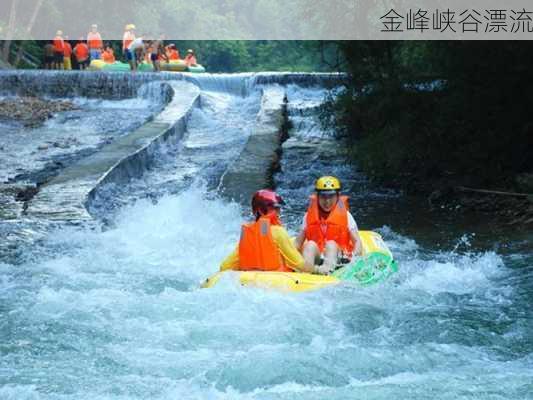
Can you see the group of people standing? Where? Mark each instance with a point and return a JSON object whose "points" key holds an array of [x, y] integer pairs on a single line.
{"points": [[329, 235], [59, 53]]}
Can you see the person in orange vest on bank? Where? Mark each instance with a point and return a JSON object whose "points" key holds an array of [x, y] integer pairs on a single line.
{"points": [[329, 234], [67, 54], [59, 50], [81, 51], [95, 43], [265, 245]]}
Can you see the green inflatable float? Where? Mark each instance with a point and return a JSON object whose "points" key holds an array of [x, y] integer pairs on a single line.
{"points": [[171, 66]]}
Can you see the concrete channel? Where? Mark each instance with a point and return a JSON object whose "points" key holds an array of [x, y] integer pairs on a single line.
{"points": [[65, 197]]}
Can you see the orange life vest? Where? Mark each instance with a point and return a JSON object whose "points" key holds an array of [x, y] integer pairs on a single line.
{"points": [[82, 51], [59, 44], [94, 40], [67, 49], [334, 227], [173, 54], [108, 56], [257, 249]]}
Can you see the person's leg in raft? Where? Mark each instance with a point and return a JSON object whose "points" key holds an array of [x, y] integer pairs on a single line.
{"points": [[331, 254], [310, 253]]}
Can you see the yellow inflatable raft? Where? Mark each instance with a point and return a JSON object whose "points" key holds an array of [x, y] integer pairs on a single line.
{"points": [[174, 65], [375, 265]]}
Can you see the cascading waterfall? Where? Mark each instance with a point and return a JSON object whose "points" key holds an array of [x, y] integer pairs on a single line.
{"points": [[121, 85], [116, 313], [216, 134]]}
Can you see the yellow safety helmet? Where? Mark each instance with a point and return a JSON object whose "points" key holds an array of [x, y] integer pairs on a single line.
{"points": [[328, 185]]}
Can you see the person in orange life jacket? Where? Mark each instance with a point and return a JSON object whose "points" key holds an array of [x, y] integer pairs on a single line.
{"points": [[264, 245], [67, 54], [329, 231], [95, 43], [59, 50], [172, 52], [108, 55], [81, 51]]}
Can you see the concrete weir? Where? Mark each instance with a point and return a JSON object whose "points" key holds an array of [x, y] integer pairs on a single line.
{"points": [[69, 195], [254, 167], [65, 197]]}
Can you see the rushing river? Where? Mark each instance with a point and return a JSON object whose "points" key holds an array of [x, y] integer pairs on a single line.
{"points": [[117, 313]]}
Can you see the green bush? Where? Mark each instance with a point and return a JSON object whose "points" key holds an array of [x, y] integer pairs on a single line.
{"points": [[473, 126]]}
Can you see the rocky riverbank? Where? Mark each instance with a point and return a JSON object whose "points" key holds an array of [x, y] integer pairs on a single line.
{"points": [[509, 206], [505, 208], [32, 111]]}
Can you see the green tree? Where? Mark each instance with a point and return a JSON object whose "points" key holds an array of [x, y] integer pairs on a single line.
{"points": [[432, 111]]}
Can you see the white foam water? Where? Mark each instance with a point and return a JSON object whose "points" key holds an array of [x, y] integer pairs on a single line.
{"points": [[118, 313]]}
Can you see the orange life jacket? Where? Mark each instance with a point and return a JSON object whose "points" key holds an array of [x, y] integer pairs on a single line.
{"points": [[334, 227], [94, 40], [173, 55], [59, 44], [257, 249], [67, 49], [82, 51], [108, 56]]}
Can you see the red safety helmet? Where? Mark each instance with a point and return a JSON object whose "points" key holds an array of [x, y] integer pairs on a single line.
{"points": [[266, 200]]}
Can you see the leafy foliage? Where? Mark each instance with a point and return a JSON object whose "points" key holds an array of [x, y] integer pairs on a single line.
{"points": [[439, 111], [239, 55]]}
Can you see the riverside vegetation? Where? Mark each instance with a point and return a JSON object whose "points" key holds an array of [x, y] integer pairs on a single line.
{"points": [[441, 118]]}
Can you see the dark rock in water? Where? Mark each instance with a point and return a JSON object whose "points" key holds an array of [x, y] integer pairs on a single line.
{"points": [[26, 193], [440, 196], [12, 200], [32, 111], [525, 182]]}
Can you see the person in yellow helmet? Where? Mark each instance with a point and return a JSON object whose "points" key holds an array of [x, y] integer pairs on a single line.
{"points": [[329, 233]]}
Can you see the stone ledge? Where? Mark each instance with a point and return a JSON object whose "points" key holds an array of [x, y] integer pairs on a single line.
{"points": [[67, 196], [255, 165]]}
